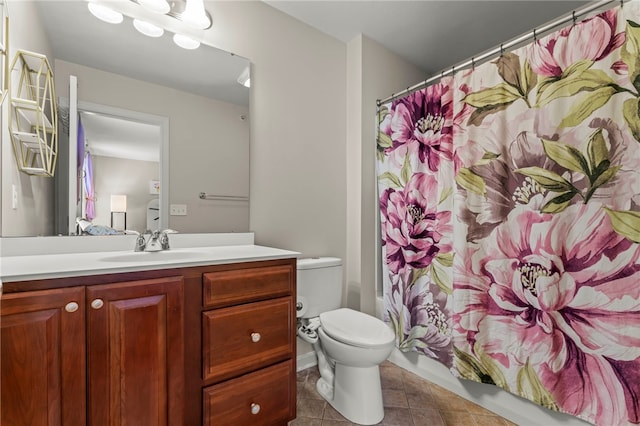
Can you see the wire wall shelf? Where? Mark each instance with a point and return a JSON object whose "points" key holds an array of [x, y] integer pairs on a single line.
{"points": [[33, 122]]}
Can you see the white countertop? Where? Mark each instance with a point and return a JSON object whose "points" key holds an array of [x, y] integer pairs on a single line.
{"points": [[59, 265], [21, 268]]}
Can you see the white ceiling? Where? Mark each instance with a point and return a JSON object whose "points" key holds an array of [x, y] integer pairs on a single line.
{"points": [[110, 136], [431, 34]]}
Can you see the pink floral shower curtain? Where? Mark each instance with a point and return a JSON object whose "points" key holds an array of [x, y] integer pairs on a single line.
{"points": [[509, 200], [415, 172]]}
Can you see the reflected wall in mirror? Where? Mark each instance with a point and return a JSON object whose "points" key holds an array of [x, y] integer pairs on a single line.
{"points": [[116, 67]]}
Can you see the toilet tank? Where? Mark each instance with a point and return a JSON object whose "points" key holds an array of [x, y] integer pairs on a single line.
{"points": [[319, 285]]}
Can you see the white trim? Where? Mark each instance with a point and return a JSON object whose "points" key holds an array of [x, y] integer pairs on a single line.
{"points": [[305, 361], [72, 183]]}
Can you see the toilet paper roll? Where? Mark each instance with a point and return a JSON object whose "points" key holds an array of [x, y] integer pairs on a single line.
{"points": [[301, 306]]}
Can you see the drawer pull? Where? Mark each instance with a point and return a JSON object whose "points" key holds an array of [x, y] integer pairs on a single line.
{"points": [[71, 307], [97, 303], [255, 408], [255, 338]]}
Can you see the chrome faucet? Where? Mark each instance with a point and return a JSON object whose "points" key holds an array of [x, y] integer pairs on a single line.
{"points": [[157, 241]]}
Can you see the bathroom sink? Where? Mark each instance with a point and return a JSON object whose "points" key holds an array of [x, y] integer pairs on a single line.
{"points": [[151, 256]]}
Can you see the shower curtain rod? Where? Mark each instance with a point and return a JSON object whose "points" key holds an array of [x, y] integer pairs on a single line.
{"points": [[473, 61]]}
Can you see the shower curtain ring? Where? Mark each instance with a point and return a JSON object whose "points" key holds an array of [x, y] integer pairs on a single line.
{"points": [[473, 63], [501, 49], [535, 36], [573, 14]]}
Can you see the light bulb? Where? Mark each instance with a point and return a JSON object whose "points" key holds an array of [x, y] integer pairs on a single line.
{"points": [[147, 28], [158, 6], [195, 15], [105, 13], [185, 42]]}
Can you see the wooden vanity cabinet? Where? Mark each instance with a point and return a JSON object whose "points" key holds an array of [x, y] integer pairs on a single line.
{"points": [[212, 345], [93, 355]]}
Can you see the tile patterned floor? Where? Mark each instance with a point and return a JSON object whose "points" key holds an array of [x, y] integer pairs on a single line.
{"points": [[408, 400]]}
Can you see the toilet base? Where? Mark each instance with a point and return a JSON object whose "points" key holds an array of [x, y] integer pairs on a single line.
{"points": [[356, 393]]}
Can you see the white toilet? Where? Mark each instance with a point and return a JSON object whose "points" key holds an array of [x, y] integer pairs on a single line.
{"points": [[349, 344]]}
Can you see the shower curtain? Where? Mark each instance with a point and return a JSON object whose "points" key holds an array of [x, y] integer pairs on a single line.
{"points": [[510, 221]]}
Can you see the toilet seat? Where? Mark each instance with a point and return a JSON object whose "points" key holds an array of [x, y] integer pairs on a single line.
{"points": [[356, 328]]}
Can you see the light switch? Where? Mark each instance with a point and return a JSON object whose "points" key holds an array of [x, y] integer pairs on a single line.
{"points": [[14, 197]]}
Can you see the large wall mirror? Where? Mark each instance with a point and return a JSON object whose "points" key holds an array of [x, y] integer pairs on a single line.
{"points": [[162, 125]]}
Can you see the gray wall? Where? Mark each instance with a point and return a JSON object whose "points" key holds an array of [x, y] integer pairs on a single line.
{"points": [[119, 176], [35, 193], [298, 126]]}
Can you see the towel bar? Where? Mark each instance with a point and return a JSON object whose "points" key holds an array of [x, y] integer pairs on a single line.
{"points": [[205, 196]]}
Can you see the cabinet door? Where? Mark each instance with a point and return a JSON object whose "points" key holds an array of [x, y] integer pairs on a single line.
{"points": [[136, 352], [42, 358]]}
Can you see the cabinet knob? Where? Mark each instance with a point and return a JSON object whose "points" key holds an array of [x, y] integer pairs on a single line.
{"points": [[255, 338], [255, 408], [71, 307], [97, 303]]}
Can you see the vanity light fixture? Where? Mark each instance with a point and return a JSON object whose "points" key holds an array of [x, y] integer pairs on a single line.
{"points": [[189, 12], [185, 42], [147, 28], [105, 13], [157, 6], [195, 15]]}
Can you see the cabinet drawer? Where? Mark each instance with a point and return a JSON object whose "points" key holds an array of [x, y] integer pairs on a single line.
{"points": [[243, 338], [226, 288], [266, 397]]}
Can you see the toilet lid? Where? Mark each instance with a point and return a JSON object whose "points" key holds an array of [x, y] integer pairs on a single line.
{"points": [[356, 328]]}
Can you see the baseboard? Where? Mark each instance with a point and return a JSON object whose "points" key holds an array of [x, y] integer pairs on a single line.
{"points": [[305, 361]]}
